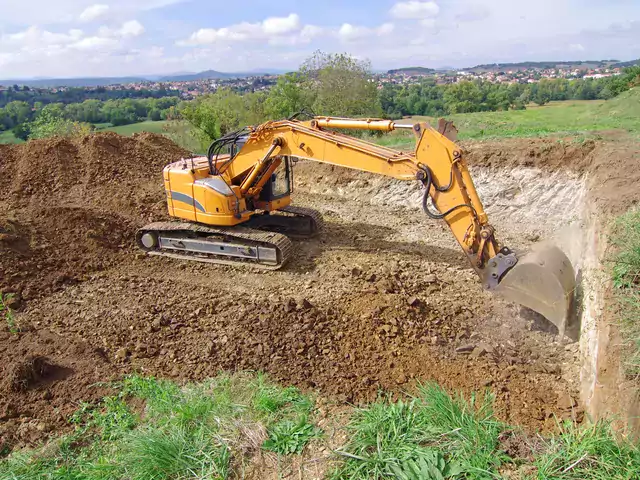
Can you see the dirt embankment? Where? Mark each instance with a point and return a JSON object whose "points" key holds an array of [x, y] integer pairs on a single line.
{"points": [[382, 299], [69, 207]]}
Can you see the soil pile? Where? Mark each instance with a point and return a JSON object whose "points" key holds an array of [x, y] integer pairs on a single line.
{"points": [[68, 207]]}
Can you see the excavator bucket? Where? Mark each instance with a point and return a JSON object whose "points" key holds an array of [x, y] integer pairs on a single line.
{"points": [[544, 281]]}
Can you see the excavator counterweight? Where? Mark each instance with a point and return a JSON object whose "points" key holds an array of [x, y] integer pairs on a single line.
{"points": [[235, 203]]}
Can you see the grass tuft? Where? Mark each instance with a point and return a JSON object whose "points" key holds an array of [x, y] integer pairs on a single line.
{"points": [[626, 280], [434, 431], [289, 437], [7, 314], [591, 452]]}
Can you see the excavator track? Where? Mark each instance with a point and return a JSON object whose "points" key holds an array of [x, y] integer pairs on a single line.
{"points": [[224, 246], [294, 222]]}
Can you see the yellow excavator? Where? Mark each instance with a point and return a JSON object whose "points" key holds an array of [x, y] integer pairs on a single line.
{"points": [[235, 203]]}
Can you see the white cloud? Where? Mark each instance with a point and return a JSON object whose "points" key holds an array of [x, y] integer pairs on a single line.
{"points": [[94, 12], [576, 47], [281, 25], [351, 33], [40, 12], [34, 36], [94, 43], [132, 28], [270, 29], [415, 10], [428, 23], [309, 32]]}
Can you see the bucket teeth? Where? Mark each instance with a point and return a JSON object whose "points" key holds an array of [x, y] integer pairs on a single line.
{"points": [[544, 281]]}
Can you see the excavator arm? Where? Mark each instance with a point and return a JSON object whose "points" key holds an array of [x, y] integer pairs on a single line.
{"points": [[543, 281]]}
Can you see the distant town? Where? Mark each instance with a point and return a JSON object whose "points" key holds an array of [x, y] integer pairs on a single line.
{"points": [[193, 85]]}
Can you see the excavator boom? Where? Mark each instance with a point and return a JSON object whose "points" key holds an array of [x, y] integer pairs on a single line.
{"points": [[245, 183]]}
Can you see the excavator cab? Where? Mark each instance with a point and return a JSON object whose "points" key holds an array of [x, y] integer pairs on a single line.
{"points": [[280, 185]]}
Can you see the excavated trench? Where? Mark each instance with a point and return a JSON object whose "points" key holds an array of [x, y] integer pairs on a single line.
{"points": [[382, 300], [527, 205]]}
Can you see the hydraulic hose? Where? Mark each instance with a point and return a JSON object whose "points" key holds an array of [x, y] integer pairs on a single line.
{"points": [[428, 183]]}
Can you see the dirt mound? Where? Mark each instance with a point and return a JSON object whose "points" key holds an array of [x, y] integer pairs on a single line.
{"points": [[70, 206], [21, 376], [39, 392]]}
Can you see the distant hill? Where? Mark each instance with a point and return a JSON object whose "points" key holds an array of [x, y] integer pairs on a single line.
{"points": [[104, 81], [501, 67], [412, 71], [630, 63], [191, 77], [72, 82], [214, 75]]}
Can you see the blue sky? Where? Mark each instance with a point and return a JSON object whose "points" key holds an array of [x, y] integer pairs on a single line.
{"points": [[62, 38]]}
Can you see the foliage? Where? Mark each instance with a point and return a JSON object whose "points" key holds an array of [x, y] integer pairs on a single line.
{"points": [[222, 112], [400, 437], [340, 85], [591, 452], [201, 431], [51, 122], [626, 280], [289, 437], [431, 465], [71, 95], [7, 314], [290, 95]]}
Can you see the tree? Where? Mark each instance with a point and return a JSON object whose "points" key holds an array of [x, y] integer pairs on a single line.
{"points": [[51, 122], [213, 115], [463, 97], [21, 131], [340, 85], [290, 95], [542, 94], [17, 112]]}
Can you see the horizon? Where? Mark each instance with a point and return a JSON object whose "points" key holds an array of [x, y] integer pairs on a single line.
{"points": [[258, 71], [118, 38]]}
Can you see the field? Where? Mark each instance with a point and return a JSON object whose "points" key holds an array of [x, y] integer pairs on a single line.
{"points": [[127, 130], [374, 353], [575, 119], [8, 137]]}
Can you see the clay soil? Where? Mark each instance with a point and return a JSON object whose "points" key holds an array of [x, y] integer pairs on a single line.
{"points": [[382, 300]]}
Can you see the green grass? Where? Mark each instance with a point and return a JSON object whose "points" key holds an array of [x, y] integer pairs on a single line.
{"points": [[7, 315], [626, 281], [572, 118], [9, 137], [128, 130], [433, 431], [199, 431], [587, 453], [442, 436], [214, 430]]}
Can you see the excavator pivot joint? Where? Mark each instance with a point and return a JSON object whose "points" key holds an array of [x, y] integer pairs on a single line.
{"points": [[499, 265]]}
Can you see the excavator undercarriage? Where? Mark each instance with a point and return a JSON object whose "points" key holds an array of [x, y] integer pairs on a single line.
{"points": [[264, 243]]}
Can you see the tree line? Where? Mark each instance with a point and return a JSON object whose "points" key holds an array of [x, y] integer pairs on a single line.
{"points": [[44, 96], [19, 116]]}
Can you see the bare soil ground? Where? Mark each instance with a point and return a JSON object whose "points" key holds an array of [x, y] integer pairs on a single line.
{"points": [[382, 299]]}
